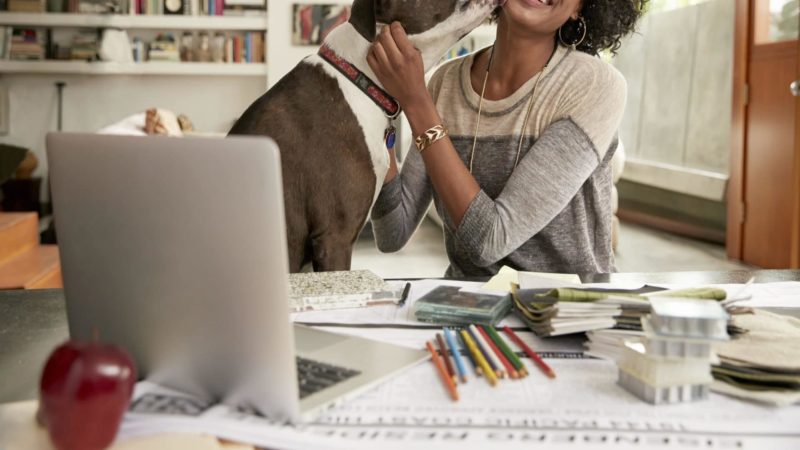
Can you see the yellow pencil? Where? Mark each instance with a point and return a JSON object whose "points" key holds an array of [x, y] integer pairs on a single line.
{"points": [[487, 370]]}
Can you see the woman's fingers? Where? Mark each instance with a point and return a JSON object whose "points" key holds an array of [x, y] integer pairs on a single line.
{"points": [[387, 40], [380, 55], [404, 45]]}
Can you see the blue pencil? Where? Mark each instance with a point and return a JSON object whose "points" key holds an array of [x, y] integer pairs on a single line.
{"points": [[462, 371]]}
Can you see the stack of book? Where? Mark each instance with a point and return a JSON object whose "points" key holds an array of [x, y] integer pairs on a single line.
{"points": [[672, 363], [85, 45], [244, 8], [26, 44], [164, 48], [554, 312]]}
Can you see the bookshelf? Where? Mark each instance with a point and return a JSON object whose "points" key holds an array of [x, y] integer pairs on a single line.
{"points": [[143, 23], [129, 21], [147, 68]]}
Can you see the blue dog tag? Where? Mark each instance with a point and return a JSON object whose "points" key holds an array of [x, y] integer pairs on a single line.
{"points": [[390, 136]]}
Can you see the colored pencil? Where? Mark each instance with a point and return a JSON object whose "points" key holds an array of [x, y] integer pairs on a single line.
{"points": [[512, 371], [494, 361], [487, 371], [448, 382], [470, 357], [531, 354], [451, 342], [512, 357], [447, 364]]}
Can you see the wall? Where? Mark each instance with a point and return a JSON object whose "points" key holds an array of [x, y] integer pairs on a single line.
{"points": [[676, 128], [283, 56], [91, 102]]}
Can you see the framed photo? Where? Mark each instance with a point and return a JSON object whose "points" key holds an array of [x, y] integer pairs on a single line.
{"points": [[311, 23]]}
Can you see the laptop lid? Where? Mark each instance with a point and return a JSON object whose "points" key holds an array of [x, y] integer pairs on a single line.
{"points": [[176, 250]]}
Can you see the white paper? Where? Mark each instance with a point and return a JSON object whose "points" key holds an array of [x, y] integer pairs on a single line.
{"points": [[784, 294], [582, 408]]}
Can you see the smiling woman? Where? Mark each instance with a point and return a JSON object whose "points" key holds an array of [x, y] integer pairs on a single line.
{"points": [[514, 141]]}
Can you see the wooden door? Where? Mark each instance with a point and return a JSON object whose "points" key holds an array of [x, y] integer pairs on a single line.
{"points": [[766, 208]]}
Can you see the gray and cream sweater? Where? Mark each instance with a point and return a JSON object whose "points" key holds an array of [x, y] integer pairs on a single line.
{"points": [[552, 213]]}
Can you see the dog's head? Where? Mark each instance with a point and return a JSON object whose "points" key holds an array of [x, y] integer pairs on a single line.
{"points": [[433, 26]]}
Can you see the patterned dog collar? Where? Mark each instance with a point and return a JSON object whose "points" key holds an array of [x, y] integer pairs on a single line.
{"points": [[381, 98]]}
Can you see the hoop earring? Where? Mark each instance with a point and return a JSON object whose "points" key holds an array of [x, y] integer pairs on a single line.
{"points": [[582, 29]]}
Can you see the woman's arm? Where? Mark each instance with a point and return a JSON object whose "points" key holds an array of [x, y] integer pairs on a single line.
{"points": [[402, 204], [453, 183]]}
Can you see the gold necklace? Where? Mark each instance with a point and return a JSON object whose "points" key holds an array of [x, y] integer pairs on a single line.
{"points": [[527, 113]]}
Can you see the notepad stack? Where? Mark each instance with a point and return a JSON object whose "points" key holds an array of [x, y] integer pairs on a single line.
{"points": [[554, 312], [672, 363]]}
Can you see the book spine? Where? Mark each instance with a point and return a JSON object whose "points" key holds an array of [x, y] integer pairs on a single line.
{"points": [[219, 7]]}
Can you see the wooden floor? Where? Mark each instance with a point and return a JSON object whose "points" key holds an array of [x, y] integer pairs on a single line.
{"points": [[640, 250], [24, 264]]}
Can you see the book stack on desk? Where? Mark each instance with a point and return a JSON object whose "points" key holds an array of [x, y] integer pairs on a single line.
{"points": [[554, 312], [672, 363]]}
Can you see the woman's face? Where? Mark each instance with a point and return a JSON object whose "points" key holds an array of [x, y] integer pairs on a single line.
{"points": [[540, 16]]}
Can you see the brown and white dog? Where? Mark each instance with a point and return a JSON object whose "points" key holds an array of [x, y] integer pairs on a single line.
{"points": [[329, 118]]}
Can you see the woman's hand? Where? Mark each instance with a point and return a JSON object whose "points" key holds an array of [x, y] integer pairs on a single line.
{"points": [[398, 66]]}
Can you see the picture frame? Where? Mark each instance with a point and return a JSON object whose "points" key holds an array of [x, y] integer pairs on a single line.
{"points": [[311, 23]]}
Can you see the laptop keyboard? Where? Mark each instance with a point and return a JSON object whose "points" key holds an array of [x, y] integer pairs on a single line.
{"points": [[314, 376]]}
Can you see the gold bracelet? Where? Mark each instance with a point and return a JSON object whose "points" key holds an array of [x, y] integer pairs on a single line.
{"points": [[430, 137]]}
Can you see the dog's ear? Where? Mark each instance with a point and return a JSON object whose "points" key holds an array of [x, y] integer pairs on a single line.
{"points": [[362, 17]]}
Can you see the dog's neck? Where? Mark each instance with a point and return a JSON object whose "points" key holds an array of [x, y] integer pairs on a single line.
{"points": [[351, 46]]}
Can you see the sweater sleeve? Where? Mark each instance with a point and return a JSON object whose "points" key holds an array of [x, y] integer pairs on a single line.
{"points": [[404, 201], [549, 175]]}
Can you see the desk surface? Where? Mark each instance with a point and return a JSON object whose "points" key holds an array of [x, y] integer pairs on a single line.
{"points": [[32, 323]]}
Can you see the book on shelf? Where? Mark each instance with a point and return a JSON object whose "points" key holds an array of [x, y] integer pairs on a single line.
{"points": [[27, 44], [5, 41], [249, 8], [33, 6]]}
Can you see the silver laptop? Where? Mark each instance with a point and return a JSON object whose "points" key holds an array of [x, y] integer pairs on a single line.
{"points": [[176, 250]]}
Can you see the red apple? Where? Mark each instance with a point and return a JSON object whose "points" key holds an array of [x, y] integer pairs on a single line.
{"points": [[84, 392]]}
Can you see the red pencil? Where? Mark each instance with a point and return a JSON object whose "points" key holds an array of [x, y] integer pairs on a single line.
{"points": [[446, 356], [448, 382], [529, 351], [512, 372]]}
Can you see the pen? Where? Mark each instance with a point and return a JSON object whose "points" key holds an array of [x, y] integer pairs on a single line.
{"points": [[404, 296], [529, 351]]}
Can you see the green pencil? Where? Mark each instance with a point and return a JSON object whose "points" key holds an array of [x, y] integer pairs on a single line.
{"points": [[507, 350]]}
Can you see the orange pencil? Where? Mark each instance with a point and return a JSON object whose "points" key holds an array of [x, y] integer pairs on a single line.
{"points": [[448, 382], [512, 372], [529, 351], [445, 355]]}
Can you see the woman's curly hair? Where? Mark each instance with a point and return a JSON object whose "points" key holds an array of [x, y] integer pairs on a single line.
{"points": [[607, 23]]}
